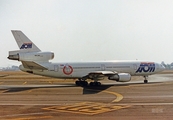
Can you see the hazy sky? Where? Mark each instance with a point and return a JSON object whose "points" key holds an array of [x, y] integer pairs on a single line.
{"points": [[90, 30]]}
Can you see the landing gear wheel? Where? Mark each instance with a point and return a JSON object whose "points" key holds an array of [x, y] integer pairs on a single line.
{"points": [[95, 84], [98, 84], [91, 84], [81, 83], [84, 83], [145, 81], [78, 83]]}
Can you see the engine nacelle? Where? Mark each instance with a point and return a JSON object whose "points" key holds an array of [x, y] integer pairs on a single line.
{"points": [[120, 77], [32, 56]]}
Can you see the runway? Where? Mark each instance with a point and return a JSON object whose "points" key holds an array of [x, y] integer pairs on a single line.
{"points": [[30, 97]]}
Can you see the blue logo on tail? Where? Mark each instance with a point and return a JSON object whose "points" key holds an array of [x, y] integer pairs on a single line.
{"points": [[146, 67], [26, 46]]}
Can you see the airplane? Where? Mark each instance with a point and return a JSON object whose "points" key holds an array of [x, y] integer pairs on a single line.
{"points": [[38, 62]]}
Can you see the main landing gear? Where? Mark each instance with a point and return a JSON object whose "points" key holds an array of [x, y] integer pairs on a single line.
{"points": [[81, 83], [145, 80], [84, 83], [95, 84]]}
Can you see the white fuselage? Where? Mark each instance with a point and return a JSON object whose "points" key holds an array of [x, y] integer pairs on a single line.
{"points": [[37, 62], [80, 69]]}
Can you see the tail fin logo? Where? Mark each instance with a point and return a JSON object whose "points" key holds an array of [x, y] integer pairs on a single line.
{"points": [[26, 46]]}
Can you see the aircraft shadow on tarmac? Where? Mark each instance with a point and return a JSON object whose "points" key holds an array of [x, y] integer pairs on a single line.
{"points": [[97, 89], [86, 90], [9, 90]]}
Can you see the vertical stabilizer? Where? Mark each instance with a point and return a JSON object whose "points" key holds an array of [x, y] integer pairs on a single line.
{"points": [[24, 43]]}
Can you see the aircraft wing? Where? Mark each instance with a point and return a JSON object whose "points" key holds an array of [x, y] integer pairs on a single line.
{"points": [[100, 74], [33, 65]]}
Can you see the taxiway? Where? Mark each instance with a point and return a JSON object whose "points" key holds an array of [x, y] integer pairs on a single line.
{"points": [[31, 97]]}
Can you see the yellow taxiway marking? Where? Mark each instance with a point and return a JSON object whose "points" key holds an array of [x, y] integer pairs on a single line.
{"points": [[50, 82], [88, 108], [29, 91], [32, 118], [119, 97], [24, 83], [3, 91], [3, 75], [1, 82]]}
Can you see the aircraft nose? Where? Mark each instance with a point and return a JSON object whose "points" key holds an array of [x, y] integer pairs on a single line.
{"points": [[161, 67]]}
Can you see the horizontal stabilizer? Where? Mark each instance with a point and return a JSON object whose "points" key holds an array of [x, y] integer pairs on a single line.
{"points": [[33, 65]]}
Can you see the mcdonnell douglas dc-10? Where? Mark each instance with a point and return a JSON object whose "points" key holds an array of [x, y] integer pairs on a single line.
{"points": [[37, 62]]}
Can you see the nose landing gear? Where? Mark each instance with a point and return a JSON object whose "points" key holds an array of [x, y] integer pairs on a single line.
{"points": [[145, 79]]}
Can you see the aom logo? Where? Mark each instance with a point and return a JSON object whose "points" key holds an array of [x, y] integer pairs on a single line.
{"points": [[26, 46], [146, 67]]}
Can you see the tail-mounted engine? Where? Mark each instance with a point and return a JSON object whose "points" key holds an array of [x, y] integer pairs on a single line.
{"points": [[30, 56]]}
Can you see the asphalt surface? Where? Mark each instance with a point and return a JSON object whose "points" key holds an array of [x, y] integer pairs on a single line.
{"points": [[34, 99]]}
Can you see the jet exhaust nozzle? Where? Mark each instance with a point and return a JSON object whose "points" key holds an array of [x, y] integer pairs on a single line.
{"points": [[13, 57]]}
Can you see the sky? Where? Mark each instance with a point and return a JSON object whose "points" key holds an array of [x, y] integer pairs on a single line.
{"points": [[90, 30]]}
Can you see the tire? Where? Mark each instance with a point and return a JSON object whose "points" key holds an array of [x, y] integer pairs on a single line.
{"points": [[145, 81]]}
